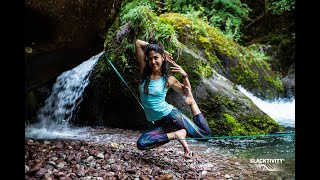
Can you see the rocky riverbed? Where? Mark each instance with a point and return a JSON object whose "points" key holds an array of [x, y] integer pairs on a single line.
{"points": [[102, 158]]}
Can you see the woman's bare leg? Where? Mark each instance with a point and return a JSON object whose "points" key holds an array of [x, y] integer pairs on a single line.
{"points": [[180, 135], [190, 101]]}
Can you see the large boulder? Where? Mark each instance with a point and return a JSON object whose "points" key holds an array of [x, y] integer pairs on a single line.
{"points": [[227, 110]]}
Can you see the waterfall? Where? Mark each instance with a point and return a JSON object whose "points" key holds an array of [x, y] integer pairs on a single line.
{"points": [[66, 95], [282, 110]]}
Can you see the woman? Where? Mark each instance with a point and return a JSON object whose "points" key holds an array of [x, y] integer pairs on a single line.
{"points": [[169, 122]]}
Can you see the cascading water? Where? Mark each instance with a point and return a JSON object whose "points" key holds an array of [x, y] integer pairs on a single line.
{"points": [[282, 111], [66, 94]]}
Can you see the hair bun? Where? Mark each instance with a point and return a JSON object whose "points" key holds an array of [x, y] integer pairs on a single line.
{"points": [[153, 41]]}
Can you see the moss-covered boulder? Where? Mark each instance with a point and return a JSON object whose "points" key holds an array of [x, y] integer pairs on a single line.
{"points": [[227, 110], [209, 61], [229, 59]]}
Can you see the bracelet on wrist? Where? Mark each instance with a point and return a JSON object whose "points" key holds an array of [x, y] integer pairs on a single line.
{"points": [[185, 76]]}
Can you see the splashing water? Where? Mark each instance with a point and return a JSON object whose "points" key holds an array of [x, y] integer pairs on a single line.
{"points": [[66, 95], [282, 111]]}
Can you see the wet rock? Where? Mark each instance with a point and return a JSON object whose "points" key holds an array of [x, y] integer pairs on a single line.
{"points": [[131, 170], [61, 164], [26, 169], [71, 157], [143, 177], [100, 155], [167, 176], [115, 167], [89, 159], [51, 163], [65, 178], [48, 176], [40, 173], [59, 145], [36, 167]]}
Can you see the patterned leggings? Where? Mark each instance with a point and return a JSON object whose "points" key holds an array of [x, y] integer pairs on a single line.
{"points": [[175, 120]]}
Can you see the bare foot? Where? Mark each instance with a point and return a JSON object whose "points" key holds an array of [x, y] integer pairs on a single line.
{"points": [[188, 154], [189, 97], [181, 135]]}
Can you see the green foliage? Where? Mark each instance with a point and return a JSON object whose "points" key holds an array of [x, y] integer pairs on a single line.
{"points": [[167, 35], [228, 16], [279, 7], [232, 29], [124, 61], [257, 53], [147, 24], [127, 6], [139, 17], [225, 14], [192, 13]]}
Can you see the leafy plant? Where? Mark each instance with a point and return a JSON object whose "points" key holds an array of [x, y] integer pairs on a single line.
{"points": [[279, 7], [224, 14], [142, 18]]}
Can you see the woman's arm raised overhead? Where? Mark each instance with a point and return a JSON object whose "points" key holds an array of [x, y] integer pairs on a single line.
{"points": [[140, 57]]}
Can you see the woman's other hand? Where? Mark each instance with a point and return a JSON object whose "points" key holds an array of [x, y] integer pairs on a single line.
{"points": [[175, 67], [167, 55]]}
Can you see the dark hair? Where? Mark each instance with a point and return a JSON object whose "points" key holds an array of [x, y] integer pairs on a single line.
{"points": [[156, 46]]}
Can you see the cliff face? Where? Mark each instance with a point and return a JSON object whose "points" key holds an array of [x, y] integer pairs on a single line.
{"points": [[60, 34]]}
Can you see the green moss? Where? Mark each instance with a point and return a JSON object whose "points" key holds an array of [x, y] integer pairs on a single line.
{"points": [[100, 68], [230, 105], [237, 129], [245, 76], [194, 34], [277, 82], [211, 124], [204, 69], [261, 124], [225, 117], [245, 67]]}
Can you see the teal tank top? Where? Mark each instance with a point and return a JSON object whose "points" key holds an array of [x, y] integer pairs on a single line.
{"points": [[155, 106]]}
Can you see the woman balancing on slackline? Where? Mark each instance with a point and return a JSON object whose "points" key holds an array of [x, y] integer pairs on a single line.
{"points": [[169, 122]]}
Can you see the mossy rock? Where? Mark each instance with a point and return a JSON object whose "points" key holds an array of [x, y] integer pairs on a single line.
{"points": [[213, 62]]}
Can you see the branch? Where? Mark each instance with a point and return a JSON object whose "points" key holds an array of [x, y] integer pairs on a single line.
{"points": [[255, 20]]}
